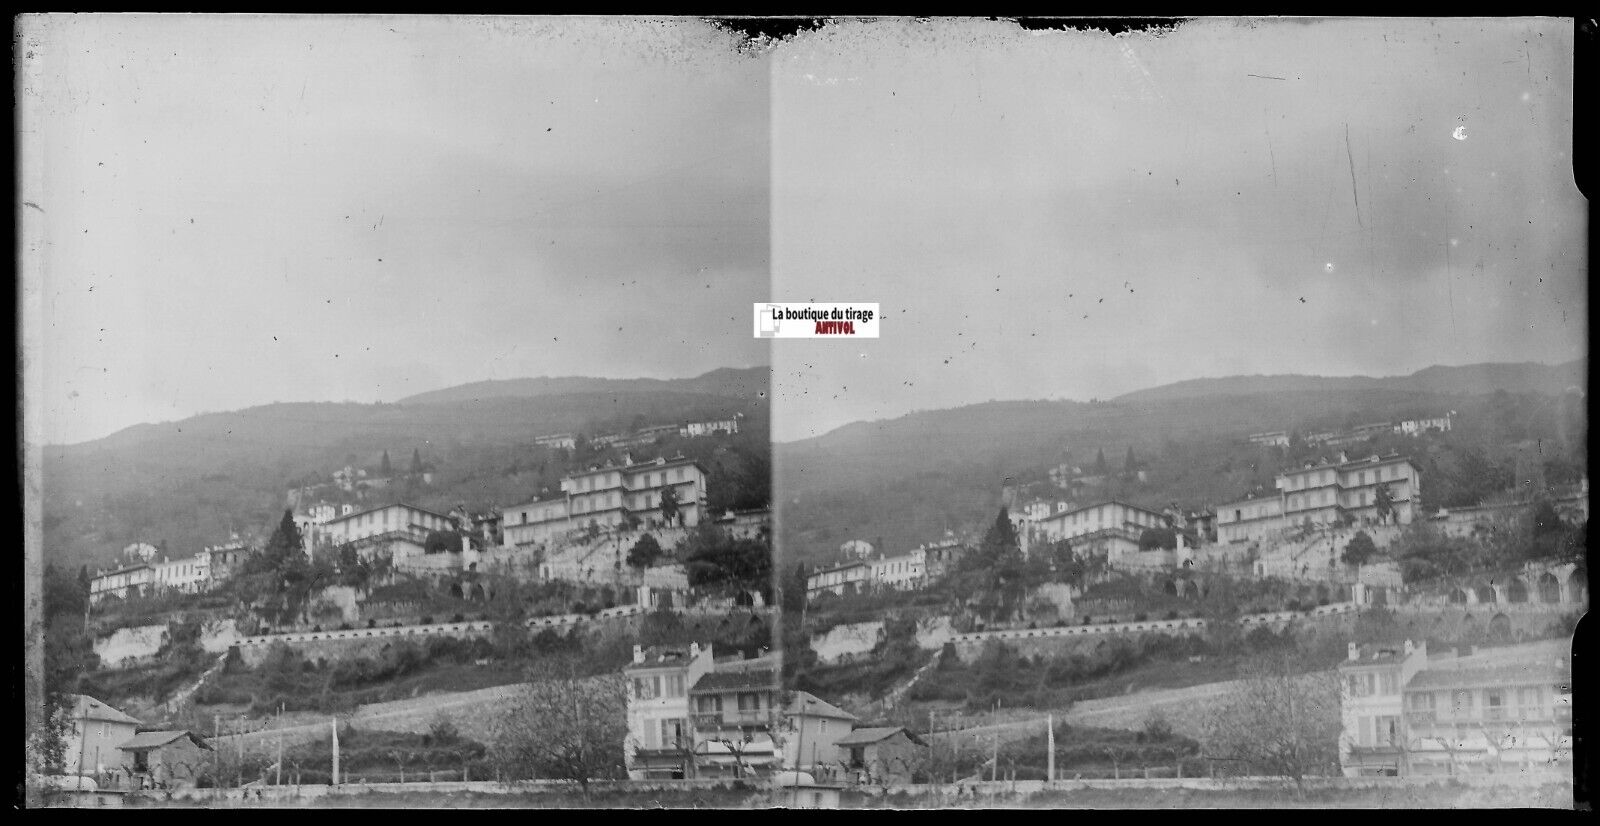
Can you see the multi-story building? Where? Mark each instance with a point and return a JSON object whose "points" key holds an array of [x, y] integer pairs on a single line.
{"points": [[560, 441], [1078, 522], [1490, 714], [1408, 713], [939, 557], [1324, 494], [848, 577], [92, 731], [1276, 438], [398, 531], [901, 572], [1371, 710], [224, 560], [734, 713], [751, 523], [1417, 427], [190, 574], [607, 497], [711, 427], [127, 582], [811, 732], [661, 741]]}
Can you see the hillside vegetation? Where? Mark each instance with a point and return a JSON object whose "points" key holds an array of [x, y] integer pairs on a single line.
{"points": [[187, 484], [901, 482]]}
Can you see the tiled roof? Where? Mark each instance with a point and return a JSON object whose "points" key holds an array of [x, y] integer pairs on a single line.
{"points": [[1499, 674], [735, 680], [868, 736], [88, 707], [157, 739], [806, 703]]}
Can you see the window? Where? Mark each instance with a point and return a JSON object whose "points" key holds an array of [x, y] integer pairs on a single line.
{"points": [[1387, 731], [749, 702], [1386, 683], [671, 733], [822, 726], [1461, 703], [674, 685]]}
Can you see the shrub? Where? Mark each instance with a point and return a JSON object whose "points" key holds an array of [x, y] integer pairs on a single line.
{"points": [[426, 620], [372, 623], [345, 626], [1087, 620], [316, 629], [458, 618], [1140, 617]]}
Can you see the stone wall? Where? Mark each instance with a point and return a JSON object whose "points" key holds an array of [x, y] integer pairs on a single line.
{"points": [[847, 641], [129, 645]]}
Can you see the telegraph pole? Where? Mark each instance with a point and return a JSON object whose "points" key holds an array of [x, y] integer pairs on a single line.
{"points": [[1050, 740], [280, 745]]}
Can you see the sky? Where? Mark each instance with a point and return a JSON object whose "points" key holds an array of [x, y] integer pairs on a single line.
{"points": [[1075, 215], [233, 211]]}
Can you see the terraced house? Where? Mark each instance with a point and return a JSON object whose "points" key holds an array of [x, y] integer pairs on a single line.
{"points": [[606, 497], [1405, 713], [1325, 493]]}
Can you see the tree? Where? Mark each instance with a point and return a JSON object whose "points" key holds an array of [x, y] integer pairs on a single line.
{"points": [[416, 462], [669, 505], [994, 578], [793, 595], [1359, 549], [727, 566], [1165, 539], [1280, 718], [563, 727], [384, 468], [644, 553], [1384, 502], [1129, 465], [1100, 468], [68, 654]]}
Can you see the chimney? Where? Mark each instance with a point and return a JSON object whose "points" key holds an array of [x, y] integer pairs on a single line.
{"points": [[638, 654], [1354, 652], [694, 651], [1409, 648]]}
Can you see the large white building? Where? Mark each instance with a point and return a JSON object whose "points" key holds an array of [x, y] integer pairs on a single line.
{"points": [[1325, 494], [129, 581], [190, 574], [607, 497], [402, 529]]}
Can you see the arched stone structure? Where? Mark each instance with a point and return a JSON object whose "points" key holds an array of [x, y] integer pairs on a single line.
{"points": [[1500, 627], [1458, 596], [1549, 588], [1170, 588], [1485, 594], [1577, 587], [1516, 591]]}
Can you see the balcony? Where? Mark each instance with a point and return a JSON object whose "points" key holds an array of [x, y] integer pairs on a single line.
{"points": [[732, 718]]}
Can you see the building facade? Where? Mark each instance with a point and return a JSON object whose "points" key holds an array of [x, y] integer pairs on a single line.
{"points": [[845, 578], [661, 742], [812, 729], [190, 574], [92, 733], [128, 582], [1076, 522], [606, 497], [1325, 494], [1405, 712], [399, 530], [734, 714]]}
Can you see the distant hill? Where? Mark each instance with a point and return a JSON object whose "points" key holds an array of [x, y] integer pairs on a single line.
{"points": [[189, 483], [746, 383], [1471, 379]]}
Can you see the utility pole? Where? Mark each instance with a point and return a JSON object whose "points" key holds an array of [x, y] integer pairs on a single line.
{"points": [[83, 736], [280, 745], [216, 754], [1050, 740], [335, 777]]}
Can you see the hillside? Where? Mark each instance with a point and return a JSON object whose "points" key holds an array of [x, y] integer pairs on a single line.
{"points": [[1472, 379], [904, 481], [189, 483], [747, 383]]}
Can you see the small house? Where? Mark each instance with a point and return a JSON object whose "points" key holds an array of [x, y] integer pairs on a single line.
{"points": [[166, 759]]}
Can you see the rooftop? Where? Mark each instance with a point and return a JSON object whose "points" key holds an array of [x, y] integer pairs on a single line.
{"points": [[868, 736], [86, 707], [157, 739], [806, 703], [377, 508], [759, 680]]}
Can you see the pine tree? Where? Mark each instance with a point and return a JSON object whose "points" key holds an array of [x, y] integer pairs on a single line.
{"points": [[385, 469], [416, 461], [1100, 468], [1129, 465]]}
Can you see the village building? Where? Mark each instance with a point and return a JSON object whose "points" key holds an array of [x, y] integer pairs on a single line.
{"points": [[661, 739], [165, 759], [189, 575], [397, 531], [609, 496], [1276, 438], [902, 572], [750, 523], [1108, 515], [1324, 494], [91, 733], [884, 755], [128, 582], [1406, 712], [226, 559], [558, 441], [734, 713], [712, 427], [812, 729], [851, 577], [1417, 427]]}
